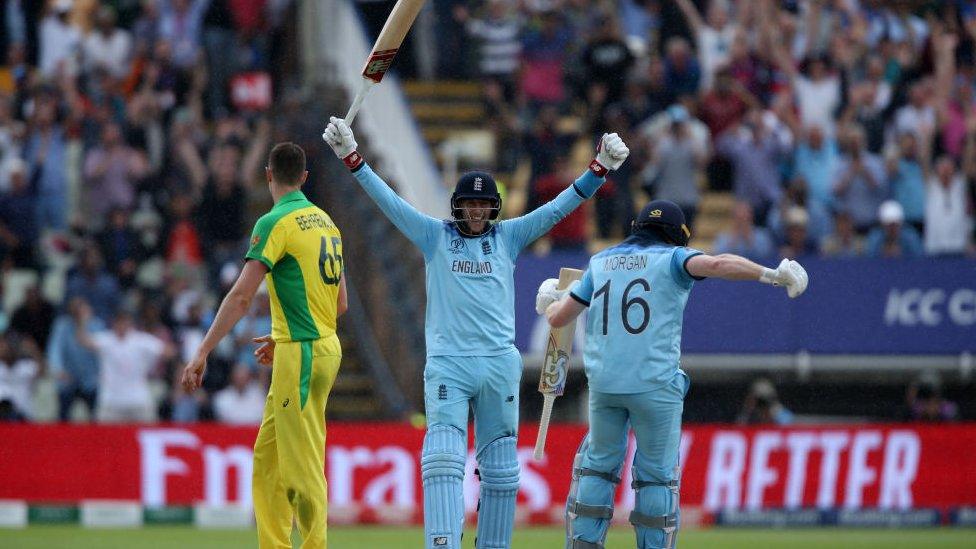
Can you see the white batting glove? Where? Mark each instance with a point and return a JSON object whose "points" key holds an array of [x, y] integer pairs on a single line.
{"points": [[612, 151], [548, 294], [789, 274], [339, 136]]}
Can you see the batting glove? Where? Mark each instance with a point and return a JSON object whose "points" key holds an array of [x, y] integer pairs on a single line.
{"points": [[788, 274], [610, 154], [548, 294], [340, 137]]}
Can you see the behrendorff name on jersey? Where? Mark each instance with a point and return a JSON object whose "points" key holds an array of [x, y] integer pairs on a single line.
{"points": [[625, 263], [311, 221], [471, 267]]}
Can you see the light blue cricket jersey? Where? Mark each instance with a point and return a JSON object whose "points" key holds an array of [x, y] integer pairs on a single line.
{"points": [[636, 292], [470, 280]]}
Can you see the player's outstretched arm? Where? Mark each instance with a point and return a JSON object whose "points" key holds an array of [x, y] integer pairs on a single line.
{"points": [[610, 155], [234, 306], [419, 228], [789, 274]]}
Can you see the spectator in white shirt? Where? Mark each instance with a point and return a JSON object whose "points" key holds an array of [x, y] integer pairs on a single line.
{"points": [[948, 219], [713, 36], [241, 402], [107, 47], [126, 356], [918, 116], [19, 368], [59, 41]]}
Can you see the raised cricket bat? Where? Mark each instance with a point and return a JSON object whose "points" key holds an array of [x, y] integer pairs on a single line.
{"points": [[552, 381], [385, 49]]}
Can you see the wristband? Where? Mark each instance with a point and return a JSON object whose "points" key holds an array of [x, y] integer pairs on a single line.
{"points": [[353, 161], [768, 276], [599, 169]]}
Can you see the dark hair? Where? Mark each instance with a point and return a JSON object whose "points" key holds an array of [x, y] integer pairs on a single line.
{"points": [[287, 163]]}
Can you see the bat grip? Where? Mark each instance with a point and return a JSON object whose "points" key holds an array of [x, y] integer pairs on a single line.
{"points": [[540, 441], [357, 101]]}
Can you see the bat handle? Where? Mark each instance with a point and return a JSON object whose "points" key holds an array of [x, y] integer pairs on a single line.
{"points": [[540, 441], [357, 101]]}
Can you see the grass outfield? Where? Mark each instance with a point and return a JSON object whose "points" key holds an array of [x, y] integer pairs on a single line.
{"points": [[165, 537]]}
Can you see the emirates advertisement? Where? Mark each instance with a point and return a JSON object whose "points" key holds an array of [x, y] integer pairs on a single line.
{"points": [[374, 475]]}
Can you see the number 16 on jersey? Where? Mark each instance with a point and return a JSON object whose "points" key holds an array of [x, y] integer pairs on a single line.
{"points": [[555, 364]]}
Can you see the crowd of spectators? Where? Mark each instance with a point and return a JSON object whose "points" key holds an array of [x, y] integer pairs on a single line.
{"points": [[843, 127], [130, 168], [130, 171]]}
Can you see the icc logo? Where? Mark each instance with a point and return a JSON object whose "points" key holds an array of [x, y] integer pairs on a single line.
{"points": [[456, 246]]}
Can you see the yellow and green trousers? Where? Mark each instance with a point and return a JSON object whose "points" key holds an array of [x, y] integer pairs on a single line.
{"points": [[289, 453]]}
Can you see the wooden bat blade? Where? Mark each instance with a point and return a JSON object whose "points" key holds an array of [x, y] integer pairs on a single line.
{"points": [[556, 361], [391, 37], [555, 366]]}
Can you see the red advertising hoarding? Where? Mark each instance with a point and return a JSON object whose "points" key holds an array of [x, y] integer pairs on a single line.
{"points": [[373, 468]]}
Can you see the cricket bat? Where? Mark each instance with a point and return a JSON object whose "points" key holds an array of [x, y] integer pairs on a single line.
{"points": [[555, 366], [385, 49]]}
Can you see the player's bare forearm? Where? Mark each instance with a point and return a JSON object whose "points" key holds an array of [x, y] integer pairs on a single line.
{"points": [[563, 312], [725, 266], [234, 306]]}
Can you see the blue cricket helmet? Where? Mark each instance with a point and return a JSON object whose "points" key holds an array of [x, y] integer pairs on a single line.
{"points": [[666, 218], [476, 186]]}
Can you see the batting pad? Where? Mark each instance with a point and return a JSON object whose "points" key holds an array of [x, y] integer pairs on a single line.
{"points": [[442, 470], [499, 470]]}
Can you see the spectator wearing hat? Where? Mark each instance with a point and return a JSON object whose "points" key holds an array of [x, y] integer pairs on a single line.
{"points": [[797, 196], [893, 238], [744, 238], [797, 241]]}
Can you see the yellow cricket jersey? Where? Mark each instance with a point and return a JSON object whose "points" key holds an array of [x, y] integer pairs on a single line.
{"points": [[302, 249]]}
